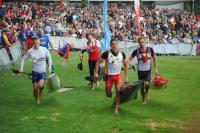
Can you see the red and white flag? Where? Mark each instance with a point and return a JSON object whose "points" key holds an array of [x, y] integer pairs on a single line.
{"points": [[1, 2], [137, 12]]}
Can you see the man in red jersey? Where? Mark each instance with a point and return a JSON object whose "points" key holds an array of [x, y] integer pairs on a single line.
{"points": [[94, 52]]}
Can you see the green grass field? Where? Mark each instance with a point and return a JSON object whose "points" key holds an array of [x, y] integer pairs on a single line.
{"points": [[81, 110]]}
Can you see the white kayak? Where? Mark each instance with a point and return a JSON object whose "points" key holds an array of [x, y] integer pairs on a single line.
{"points": [[53, 83]]}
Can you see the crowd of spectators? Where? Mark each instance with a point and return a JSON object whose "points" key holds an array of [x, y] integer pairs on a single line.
{"points": [[59, 19]]}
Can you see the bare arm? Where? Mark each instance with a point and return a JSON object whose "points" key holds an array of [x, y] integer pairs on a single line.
{"points": [[100, 51], [129, 60], [49, 62], [97, 66], [125, 62], [155, 65], [81, 53]]}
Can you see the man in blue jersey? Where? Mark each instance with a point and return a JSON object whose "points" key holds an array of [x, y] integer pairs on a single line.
{"points": [[34, 32], [45, 42], [44, 39], [22, 38]]}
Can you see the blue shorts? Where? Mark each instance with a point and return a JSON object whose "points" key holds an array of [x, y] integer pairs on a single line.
{"points": [[144, 75], [36, 77]]}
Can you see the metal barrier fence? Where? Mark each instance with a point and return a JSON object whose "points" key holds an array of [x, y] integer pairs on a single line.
{"points": [[16, 54], [127, 47], [166, 49]]}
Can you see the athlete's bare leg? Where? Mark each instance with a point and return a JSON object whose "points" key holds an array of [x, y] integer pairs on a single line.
{"points": [[147, 85], [41, 87], [117, 100], [35, 91]]}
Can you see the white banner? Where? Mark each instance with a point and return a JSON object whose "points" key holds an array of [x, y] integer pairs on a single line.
{"points": [[15, 51], [4, 58], [126, 46], [179, 49]]}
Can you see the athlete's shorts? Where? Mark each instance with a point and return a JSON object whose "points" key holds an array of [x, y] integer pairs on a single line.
{"points": [[36, 77], [116, 79], [144, 75]]}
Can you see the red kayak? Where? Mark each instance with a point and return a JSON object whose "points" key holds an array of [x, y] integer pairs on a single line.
{"points": [[129, 91]]}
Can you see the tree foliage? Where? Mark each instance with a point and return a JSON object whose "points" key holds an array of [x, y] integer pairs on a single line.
{"points": [[84, 3], [197, 6]]}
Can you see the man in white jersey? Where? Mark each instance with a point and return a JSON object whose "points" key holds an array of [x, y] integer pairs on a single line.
{"points": [[114, 59], [38, 55], [144, 55]]}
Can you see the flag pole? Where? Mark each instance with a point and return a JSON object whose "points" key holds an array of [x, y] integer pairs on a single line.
{"points": [[137, 12], [105, 19]]}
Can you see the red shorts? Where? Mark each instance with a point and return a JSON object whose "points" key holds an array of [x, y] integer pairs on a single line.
{"points": [[117, 79]]}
